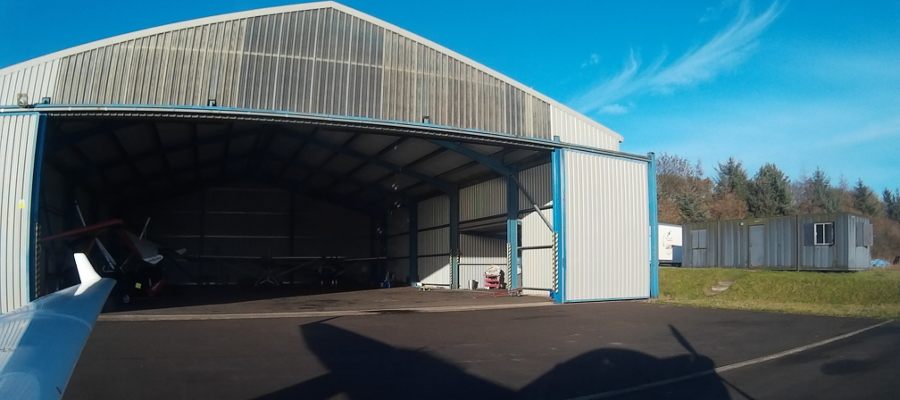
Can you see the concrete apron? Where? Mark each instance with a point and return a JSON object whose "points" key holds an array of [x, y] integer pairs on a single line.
{"points": [[365, 302]]}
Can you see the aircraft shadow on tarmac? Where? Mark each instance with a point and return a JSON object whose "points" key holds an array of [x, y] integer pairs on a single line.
{"points": [[363, 368]]}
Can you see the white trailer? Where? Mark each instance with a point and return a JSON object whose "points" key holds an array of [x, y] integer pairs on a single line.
{"points": [[669, 244]]}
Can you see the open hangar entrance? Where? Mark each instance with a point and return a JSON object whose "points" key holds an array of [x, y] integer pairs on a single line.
{"points": [[273, 200]]}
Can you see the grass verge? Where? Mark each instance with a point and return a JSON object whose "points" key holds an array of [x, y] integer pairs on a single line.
{"points": [[870, 294]]}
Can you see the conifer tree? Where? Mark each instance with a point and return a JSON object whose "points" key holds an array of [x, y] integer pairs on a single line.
{"points": [[865, 201], [770, 193]]}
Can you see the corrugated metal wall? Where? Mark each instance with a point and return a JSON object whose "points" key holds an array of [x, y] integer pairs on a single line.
{"points": [[34, 81], [860, 242], [434, 240], [477, 255], [537, 237], [18, 141], [781, 243], [434, 212], [826, 257], [253, 222], [607, 227], [574, 129], [398, 244], [536, 181], [434, 270], [486, 199], [319, 60]]}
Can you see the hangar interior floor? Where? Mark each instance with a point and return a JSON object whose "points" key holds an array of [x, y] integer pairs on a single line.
{"points": [[284, 299]]}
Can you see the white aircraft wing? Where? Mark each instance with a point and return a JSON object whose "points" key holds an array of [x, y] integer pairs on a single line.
{"points": [[41, 341]]}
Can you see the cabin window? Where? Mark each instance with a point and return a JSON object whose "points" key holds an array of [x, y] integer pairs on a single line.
{"points": [[824, 232], [698, 239]]}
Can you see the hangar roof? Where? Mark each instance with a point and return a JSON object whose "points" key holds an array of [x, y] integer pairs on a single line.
{"points": [[319, 58]]}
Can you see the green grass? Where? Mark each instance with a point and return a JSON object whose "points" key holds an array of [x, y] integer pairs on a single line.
{"points": [[872, 294]]}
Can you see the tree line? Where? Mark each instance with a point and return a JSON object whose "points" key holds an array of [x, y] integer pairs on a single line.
{"points": [[685, 195]]}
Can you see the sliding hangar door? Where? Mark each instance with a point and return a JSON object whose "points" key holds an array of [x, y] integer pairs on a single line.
{"points": [[272, 145]]}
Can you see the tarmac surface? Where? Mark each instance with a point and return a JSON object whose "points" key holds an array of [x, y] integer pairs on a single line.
{"points": [[400, 350], [201, 303]]}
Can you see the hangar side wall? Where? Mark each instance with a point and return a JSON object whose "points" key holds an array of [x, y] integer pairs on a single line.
{"points": [[434, 241], [483, 201], [477, 255], [607, 228], [327, 60], [226, 230], [18, 141], [397, 247]]}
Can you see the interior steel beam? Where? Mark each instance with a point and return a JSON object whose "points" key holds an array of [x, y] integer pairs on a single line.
{"points": [[512, 229], [330, 158], [454, 239], [342, 178], [412, 164], [413, 237], [483, 159], [380, 153], [445, 187]]}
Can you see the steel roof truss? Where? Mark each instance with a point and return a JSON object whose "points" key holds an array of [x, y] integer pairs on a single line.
{"points": [[444, 186]]}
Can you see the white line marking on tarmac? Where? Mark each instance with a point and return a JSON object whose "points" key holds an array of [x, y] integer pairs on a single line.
{"points": [[309, 314], [728, 367]]}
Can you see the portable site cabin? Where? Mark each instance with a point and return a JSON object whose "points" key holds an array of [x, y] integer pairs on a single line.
{"points": [[813, 242]]}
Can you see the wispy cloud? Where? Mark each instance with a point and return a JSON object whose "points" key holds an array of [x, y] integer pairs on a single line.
{"points": [[594, 59], [713, 13], [726, 49], [614, 109]]}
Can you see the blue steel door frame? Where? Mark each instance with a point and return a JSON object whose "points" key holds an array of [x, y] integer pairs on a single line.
{"points": [[654, 227], [32, 263], [557, 177]]}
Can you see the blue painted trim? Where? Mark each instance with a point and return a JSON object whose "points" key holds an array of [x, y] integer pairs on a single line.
{"points": [[654, 227], [555, 142], [31, 266], [21, 112], [558, 183], [618, 156], [609, 299], [512, 229], [563, 236]]}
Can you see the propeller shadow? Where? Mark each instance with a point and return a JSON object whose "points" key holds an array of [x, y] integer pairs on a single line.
{"points": [[364, 368]]}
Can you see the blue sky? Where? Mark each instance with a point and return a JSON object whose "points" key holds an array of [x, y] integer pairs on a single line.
{"points": [[802, 84]]}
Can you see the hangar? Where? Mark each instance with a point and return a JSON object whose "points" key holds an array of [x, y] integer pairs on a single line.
{"points": [[317, 132]]}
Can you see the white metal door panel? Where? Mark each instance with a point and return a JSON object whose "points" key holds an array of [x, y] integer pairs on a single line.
{"points": [[18, 140], [606, 208]]}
